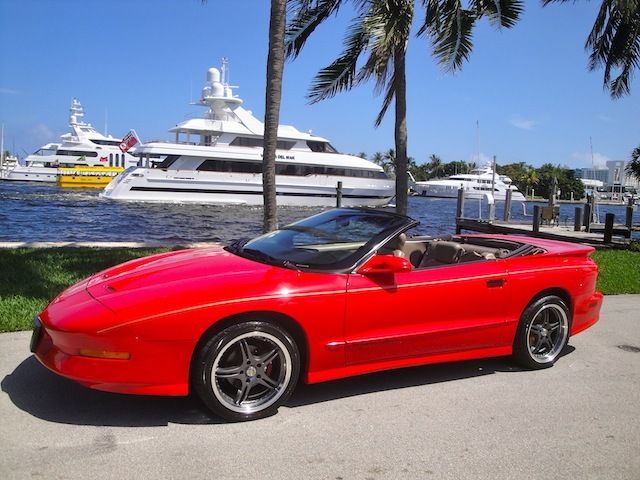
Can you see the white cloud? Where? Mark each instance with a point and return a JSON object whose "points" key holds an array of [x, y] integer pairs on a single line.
{"points": [[41, 134], [8, 91], [522, 123], [480, 159], [583, 159]]}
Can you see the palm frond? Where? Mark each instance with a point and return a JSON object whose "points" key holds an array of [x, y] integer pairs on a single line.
{"points": [[501, 13], [388, 24], [386, 103], [453, 41], [307, 17], [341, 74], [614, 43], [432, 17]]}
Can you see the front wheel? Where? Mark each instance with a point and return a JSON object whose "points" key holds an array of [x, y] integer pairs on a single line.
{"points": [[247, 371], [542, 333]]}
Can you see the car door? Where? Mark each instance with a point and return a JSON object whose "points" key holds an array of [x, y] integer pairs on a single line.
{"points": [[430, 311]]}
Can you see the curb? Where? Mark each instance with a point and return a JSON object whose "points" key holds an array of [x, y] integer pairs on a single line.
{"points": [[12, 245]]}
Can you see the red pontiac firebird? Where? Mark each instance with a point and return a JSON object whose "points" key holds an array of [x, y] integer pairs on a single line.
{"points": [[341, 293]]}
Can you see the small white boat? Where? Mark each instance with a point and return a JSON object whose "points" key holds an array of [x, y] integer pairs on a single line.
{"points": [[218, 159], [477, 184], [83, 147]]}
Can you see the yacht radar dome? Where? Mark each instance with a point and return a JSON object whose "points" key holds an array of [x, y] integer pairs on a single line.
{"points": [[217, 93]]}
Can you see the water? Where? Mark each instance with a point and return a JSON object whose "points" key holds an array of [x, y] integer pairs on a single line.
{"points": [[40, 212]]}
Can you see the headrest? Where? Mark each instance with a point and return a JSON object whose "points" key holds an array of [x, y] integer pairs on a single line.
{"points": [[445, 252], [397, 242]]}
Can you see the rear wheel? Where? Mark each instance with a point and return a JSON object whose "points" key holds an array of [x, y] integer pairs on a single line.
{"points": [[542, 333], [247, 371]]}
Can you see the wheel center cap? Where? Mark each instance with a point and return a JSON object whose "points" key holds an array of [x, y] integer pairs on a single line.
{"points": [[544, 332], [251, 371]]}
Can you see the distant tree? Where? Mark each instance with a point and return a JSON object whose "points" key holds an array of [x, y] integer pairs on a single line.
{"points": [[385, 160], [455, 167], [614, 43], [420, 172], [524, 176], [529, 180], [633, 167], [434, 165], [567, 183], [362, 155]]}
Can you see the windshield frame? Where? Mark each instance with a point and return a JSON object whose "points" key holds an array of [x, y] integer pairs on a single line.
{"points": [[347, 264]]}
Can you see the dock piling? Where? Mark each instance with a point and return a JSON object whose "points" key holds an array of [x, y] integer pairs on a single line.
{"points": [[577, 222], [628, 221], [339, 195], [507, 206], [459, 209], [608, 227], [536, 218], [587, 217]]}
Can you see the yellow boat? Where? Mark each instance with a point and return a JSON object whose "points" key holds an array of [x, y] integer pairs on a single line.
{"points": [[87, 177]]}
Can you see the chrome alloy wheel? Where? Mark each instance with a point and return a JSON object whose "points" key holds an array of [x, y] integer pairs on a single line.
{"points": [[547, 333], [251, 372]]}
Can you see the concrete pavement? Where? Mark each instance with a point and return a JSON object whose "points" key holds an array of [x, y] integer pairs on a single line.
{"points": [[478, 420]]}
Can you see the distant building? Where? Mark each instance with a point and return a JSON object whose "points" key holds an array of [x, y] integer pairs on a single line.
{"points": [[599, 174], [618, 175]]}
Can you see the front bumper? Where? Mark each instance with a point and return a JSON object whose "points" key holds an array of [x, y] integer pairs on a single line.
{"points": [[67, 329]]}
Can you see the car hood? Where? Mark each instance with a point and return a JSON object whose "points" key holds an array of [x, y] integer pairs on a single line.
{"points": [[173, 279], [159, 270]]}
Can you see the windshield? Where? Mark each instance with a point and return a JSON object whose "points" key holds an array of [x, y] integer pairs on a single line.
{"points": [[331, 240]]}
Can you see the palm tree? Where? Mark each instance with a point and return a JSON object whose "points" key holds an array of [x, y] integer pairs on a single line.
{"points": [[385, 160], [614, 43], [275, 67], [380, 32], [529, 179], [633, 167], [434, 165], [273, 94]]}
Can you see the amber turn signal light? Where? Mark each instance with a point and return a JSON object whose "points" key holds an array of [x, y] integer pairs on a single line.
{"points": [[87, 352]]}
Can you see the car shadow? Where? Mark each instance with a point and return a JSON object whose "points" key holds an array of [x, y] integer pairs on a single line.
{"points": [[41, 393], [37, 391], [403, 378]]}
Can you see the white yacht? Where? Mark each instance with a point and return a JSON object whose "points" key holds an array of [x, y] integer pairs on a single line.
{"points": [[7, 164], [83, 147], [218, 159], [476, 184]]}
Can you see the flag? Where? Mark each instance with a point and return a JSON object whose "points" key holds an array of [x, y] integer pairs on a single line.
{"points": [[128, 141]]}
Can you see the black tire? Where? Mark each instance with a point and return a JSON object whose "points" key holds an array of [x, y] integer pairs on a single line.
{"points": [[256, 369], [542, 333]]}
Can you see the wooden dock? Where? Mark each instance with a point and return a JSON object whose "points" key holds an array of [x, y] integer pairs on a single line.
{"points": [[551, 232], [545, 224]]}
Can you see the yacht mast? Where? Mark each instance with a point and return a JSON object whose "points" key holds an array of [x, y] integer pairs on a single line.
{"points": [[2, 149]]}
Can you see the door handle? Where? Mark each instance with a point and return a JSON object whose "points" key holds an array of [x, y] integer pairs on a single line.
{"points": [[498, 282]]}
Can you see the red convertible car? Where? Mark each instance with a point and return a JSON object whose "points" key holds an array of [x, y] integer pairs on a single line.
{"points": [[341, 293]]}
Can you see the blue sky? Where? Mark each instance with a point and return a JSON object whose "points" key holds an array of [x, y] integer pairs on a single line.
{"points": [[139, 62]]}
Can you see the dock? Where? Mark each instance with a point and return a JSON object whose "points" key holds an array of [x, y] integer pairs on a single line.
{"points": [[545, 224]]}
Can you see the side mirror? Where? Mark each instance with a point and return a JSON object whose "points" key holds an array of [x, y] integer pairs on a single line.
{"points": [[384, 265]]}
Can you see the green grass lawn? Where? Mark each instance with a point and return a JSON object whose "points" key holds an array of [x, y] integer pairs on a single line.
{"points": [[619, 271], [30, 278]]}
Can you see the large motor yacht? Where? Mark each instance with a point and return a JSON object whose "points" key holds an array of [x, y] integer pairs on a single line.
{"points": [[218, 159], [83, 152], [476, 184]]}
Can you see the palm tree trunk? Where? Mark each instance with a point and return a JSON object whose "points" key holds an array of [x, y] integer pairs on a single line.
{"points": [[402, 180], [275, 67]]}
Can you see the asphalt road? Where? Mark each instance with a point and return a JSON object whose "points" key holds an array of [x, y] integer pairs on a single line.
{"points": [[478, 420]]}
